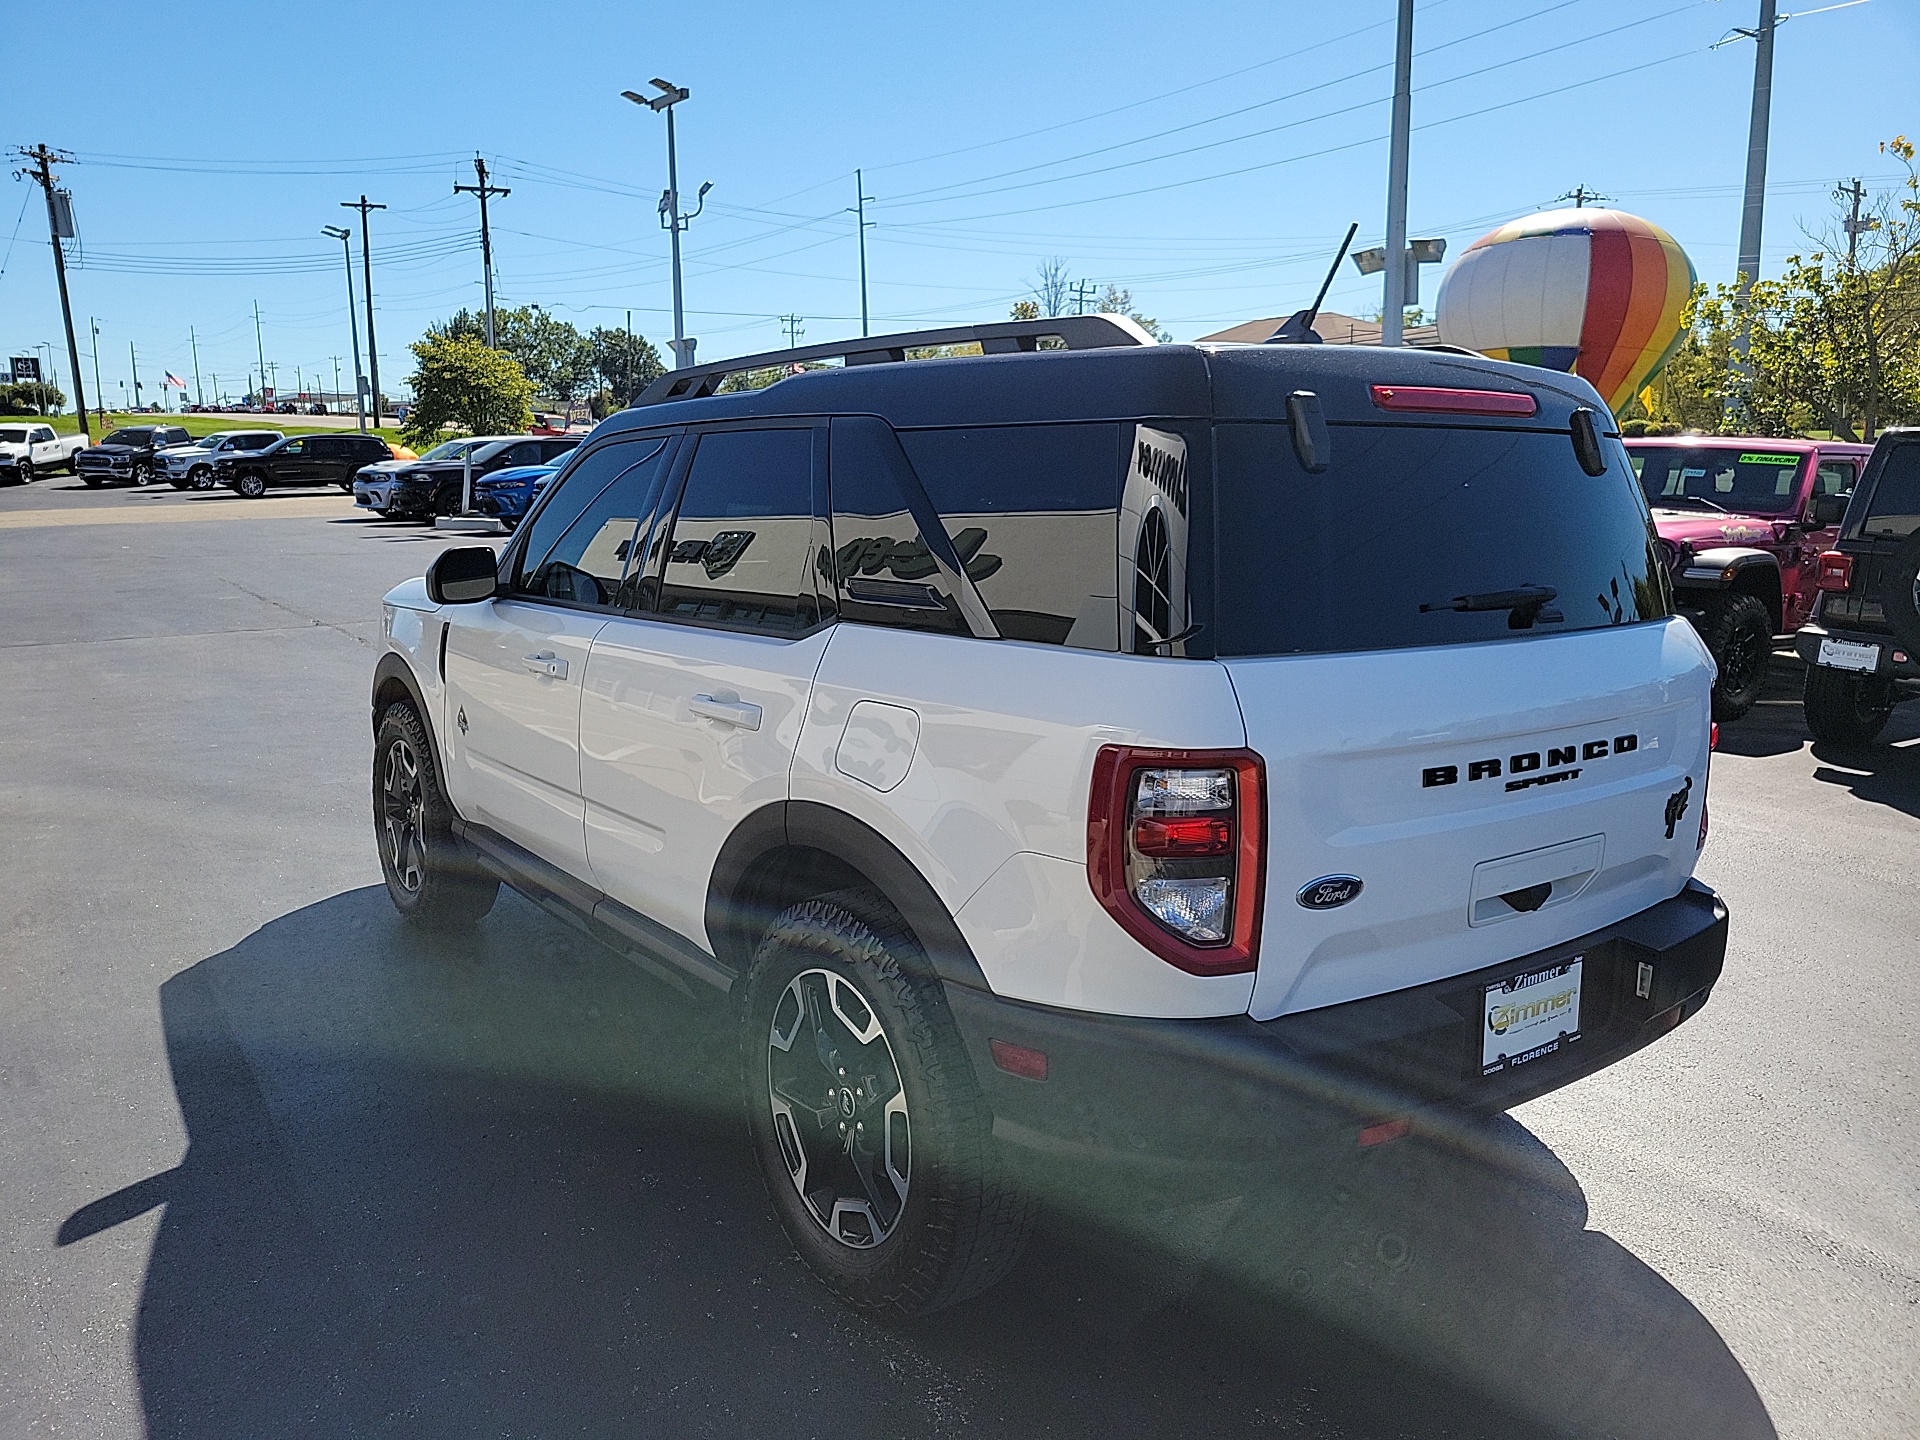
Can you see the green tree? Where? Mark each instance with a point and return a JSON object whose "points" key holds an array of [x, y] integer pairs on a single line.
{"points": [[460, 382], [625, 362], [1116, 301], [554, 355], [28, 396]]}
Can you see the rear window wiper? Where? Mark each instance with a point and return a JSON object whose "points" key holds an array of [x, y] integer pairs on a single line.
{"points": [[1525, 605]]}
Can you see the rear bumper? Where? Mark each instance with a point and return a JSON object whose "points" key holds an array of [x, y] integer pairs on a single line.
{"points": [[1180, 1093], [1903, 672]]}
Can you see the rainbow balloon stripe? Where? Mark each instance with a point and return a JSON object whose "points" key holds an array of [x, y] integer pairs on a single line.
{"points": [[1636, 282]]}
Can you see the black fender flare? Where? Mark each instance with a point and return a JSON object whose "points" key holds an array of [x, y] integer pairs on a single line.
{"points": [[851, 844], [1722, 565]]}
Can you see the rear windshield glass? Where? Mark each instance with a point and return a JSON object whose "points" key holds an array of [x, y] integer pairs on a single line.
{"points": [[1895, 510], [1423, 535], [1758, 481], [128, 437]]}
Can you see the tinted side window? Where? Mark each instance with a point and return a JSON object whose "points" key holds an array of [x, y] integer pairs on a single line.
{"points": [[254, 442], [525, 453], [1834, 477], [741, 553], [554, 450], [884, 572], [580, 543], [329, 447], [1895, 508], [1033, 511]]}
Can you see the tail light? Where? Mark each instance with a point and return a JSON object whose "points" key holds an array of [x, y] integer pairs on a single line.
{"points": [[1713, 744], [1447, 401], [1176, 852], [1836, 571]]}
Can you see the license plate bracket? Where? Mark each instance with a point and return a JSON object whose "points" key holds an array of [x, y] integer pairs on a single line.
{"points": [[1529, 1016], [1848, 655]]}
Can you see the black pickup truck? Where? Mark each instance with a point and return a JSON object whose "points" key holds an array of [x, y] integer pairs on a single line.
{"points": [[127, 454]]}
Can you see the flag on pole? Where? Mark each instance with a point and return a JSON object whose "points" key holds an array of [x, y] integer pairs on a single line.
{"points": [[175, 381]]}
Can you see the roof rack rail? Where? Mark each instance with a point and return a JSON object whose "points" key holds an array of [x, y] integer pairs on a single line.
{"points": [[1006, 337]]}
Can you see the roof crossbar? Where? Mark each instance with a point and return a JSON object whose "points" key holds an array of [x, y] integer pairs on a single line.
{"points": [[1006, 337]]}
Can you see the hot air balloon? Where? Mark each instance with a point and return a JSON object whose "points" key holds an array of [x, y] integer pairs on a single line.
{"points": [[1597, 292]]}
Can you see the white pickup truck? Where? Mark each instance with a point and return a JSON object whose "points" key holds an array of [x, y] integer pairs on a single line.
{"points": [[30, 448]]}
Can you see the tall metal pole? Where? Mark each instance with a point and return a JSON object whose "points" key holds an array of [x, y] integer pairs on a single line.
{"points": [[260, 349], [134, 360], [1754, 207], [673, 214], [483, 190], [199, 395], [99, 391], [345, 237], [364, 205], [1393, 311], [42, 173], [860, 212]]}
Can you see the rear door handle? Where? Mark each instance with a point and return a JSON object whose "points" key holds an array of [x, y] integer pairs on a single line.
{"points": [[546, 663], [727, 712]]}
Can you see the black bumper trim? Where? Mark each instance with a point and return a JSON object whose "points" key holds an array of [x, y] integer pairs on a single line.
{"points": [[1156, 1091]]}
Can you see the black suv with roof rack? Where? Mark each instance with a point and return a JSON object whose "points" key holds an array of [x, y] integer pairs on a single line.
{"points": [[1862, 646]]}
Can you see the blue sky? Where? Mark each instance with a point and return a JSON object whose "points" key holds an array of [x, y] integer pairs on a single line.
{"points": [[1207, 155]]}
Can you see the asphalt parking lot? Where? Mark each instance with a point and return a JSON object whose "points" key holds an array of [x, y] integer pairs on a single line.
{"points": [[271, 1164]]}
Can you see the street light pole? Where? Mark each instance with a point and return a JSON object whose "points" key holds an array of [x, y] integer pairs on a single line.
{"points": [[99, 393], [859, 209], [671, 218], [1393, 312], [345, 237], [363, 205], [199, 395], [1753, 209]]}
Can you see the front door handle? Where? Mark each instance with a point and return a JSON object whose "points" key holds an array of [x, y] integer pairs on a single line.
{"points": [[546, 663], [727, 712]]}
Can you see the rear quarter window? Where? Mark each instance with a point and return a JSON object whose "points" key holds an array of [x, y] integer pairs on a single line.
{"points": [[1893, 510], [1418, 535]]}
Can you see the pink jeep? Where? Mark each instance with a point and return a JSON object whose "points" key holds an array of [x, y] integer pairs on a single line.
{"points": [[1742, 522]]}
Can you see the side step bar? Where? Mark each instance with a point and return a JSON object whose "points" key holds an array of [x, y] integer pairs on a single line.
{"points": [[662, 953]]}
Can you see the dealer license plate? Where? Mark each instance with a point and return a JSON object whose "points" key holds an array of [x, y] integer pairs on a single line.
{"points": [[1849, 654], [1530, 1016]]}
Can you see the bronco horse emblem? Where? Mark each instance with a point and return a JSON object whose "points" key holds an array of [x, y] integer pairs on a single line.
{"points": [[1677, 805]]}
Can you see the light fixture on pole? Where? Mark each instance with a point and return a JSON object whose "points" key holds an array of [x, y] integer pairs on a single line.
{"points": [[1415, 254], [671, 218], [345, 237]]}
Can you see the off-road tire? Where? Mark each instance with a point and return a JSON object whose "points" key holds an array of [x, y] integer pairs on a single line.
{"points": [[962, 1224], [250, 486], [1739, 632], [435, 882], [1845, 708]]}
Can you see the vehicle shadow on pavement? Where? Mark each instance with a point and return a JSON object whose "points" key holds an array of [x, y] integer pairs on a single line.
{"points": [[497, 1184], [1776, 725]]}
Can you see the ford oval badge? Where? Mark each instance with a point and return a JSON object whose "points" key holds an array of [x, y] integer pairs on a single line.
{"points": [[1328, 891]]}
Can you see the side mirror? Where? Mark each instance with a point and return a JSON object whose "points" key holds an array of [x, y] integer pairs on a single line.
{"points": [[1827, 510], [462, 575]]}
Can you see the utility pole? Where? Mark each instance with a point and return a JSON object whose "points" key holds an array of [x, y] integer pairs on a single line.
{"points": [[859, 210], [1082, 293], [1393, 312], [483, 190], [345, 237], [1855, 192], [59, 227], [134, 360], [1751, 212], [1581, 196], [199, 395], [364, 205], [791, 324], [671, 218], [336, 378], [260, 349], [626, 363], [99, 391]]}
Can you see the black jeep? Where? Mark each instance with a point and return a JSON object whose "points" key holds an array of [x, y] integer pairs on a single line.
{"points": [[1862, 646]]}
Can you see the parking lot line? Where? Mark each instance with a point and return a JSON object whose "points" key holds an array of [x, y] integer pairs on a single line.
{"points": [[297, 508]]}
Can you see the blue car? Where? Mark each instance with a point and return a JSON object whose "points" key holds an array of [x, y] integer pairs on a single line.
{"points": [[508, 494]]}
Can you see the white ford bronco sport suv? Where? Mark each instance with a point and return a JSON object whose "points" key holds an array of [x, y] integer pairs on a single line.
{"points": [[1084, 750]]}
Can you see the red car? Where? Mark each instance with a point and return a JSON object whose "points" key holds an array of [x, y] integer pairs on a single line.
{"points": [[1742, 522]]}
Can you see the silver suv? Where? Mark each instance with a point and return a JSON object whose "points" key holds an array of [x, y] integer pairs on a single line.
{"points": [[190, 467]]}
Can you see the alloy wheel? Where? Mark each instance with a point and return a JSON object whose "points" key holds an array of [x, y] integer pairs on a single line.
{"points": [[839, 1109], [1740, 662], [403, 814]]}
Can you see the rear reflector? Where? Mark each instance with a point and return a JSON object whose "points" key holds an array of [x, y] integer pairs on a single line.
{"points": [[1454, 402], [1019, 1060], [1382, 1131], [1183, 835]]}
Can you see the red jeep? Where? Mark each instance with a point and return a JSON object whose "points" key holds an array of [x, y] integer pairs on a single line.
{"points": [[1742, 522]]}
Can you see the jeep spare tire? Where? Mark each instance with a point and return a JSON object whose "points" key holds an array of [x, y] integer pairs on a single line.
{"points": [[1900, 592], [1739, 632]]}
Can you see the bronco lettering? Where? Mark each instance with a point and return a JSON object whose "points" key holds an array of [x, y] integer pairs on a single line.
{"points": [[1560, 764]]}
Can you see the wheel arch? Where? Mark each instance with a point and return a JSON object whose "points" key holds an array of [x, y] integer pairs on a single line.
{"points": [[795, 849], [1738, 570], [393, 684]]}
